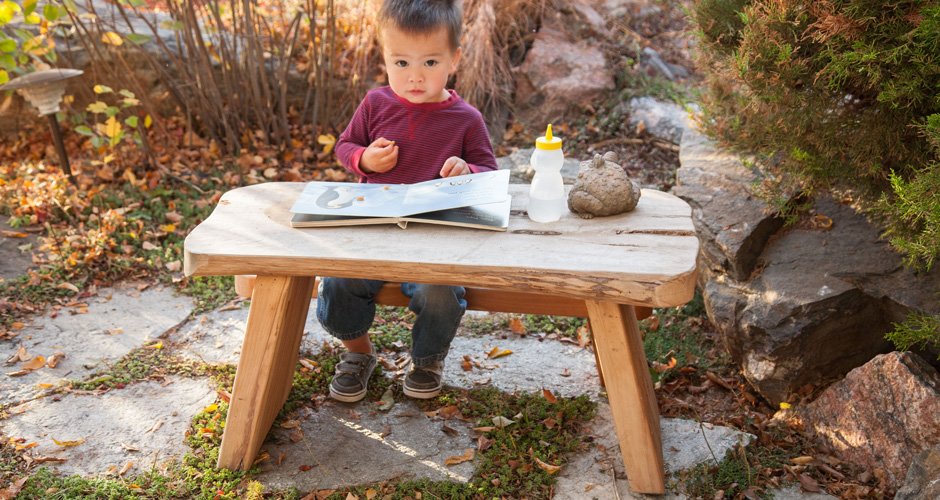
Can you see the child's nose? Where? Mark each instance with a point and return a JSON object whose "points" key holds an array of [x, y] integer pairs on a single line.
{"points": [[416, 77]]}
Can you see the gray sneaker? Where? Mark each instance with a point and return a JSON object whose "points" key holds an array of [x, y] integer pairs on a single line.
{"points": [[351, 378], [424, 382]]}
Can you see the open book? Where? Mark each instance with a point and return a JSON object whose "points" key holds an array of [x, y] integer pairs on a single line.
{"points": [[475, 200]]}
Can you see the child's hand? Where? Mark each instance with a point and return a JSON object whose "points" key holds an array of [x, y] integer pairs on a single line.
{"points": [[454, 166], [380, 156]]}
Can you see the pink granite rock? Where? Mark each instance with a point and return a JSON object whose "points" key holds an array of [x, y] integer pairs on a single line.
{"points": [[881, 415]]}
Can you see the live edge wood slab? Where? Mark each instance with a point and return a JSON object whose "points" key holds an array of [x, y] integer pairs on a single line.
{"points": [[645, 258]]}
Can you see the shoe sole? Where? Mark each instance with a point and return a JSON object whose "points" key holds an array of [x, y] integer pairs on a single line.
{"points": [[419, 393], [348, 398]]}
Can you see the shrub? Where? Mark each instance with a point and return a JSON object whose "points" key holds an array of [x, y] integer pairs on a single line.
{"points": [[842, 95]]}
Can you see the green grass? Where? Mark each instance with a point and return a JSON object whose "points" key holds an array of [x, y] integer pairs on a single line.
{"points": [[679, 335], [146, 362], [209, 292], [507, 469], [194, 477]]}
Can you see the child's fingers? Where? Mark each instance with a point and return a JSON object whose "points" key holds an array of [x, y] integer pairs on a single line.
{"points": [[452, 167]]}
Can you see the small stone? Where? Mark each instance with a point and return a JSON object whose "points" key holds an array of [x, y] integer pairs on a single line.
{"points": [[602, 188]]}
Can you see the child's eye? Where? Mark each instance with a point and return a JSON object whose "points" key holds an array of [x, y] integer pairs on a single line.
{"points": [[431, 63], [401, 63]]}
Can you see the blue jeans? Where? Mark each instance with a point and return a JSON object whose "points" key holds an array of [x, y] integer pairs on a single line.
{"points": [[346, 309]]}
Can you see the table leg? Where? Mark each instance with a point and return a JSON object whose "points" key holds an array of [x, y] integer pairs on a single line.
{"points": [[266, 368], [630, 392]]}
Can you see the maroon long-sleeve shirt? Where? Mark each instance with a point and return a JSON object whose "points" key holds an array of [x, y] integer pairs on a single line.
{"points": [[427, 134]]}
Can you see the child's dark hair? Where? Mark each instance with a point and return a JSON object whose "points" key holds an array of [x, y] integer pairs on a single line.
{"points": [[424, 16]]}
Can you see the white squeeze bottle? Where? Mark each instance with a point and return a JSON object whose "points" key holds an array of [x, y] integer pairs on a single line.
{"points": [[547, 193]]}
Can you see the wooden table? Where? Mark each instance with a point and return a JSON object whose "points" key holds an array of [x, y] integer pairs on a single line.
{"points": [[646, 257]]}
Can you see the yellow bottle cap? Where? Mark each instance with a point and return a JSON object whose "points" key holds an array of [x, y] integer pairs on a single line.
{"points": [[548, 141]]}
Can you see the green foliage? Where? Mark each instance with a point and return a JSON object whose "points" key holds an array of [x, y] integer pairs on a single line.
{"points": [[840, 94], [25, 41], [918, 331]]}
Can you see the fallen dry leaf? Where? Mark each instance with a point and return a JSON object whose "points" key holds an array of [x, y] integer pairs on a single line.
{"points": [[155, 427], [126, 468], [486, 428], [516, 326], [802, 460], [13, 234], [34, 364], [296, 435], [484, 443], [371, 493], [68, 444], [550, 422], [20, 355], [21, 447], [41, 460], [448, 412], [467, 456], [387, 401], [809, 484], [55, 359], [501, 421], [128, 447], [664, 367], [290, 424], [67, 286], [565, 373], [547, 394], [584, 336], [466, 364], [11, 491], [174, 266], [549, 468], [497, 352]]}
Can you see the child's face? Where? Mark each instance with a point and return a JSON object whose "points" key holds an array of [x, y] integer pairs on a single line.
{"points": [[418, 65]]}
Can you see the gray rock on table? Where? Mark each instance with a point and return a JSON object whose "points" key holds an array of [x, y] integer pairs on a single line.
{"points": [[602, 188]]}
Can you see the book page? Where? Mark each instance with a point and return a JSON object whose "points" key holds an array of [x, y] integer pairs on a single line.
{"points": [[350, 199], [454, 192], [393, 200]]}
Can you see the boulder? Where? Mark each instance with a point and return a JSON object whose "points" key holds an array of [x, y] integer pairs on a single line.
{"points": [[923, 477], [733, 224], [661, 119], [881, 415], [559, 76], [797, 305]]}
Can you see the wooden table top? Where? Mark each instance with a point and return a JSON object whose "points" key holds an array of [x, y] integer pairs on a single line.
{"points": [[643, 257]]}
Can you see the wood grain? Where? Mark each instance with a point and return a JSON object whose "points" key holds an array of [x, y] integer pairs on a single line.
{"points": [[644, 257], [266, 367], [630, 392]]}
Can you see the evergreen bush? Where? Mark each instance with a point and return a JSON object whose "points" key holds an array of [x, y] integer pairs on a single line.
{"points": [[841, 95]]}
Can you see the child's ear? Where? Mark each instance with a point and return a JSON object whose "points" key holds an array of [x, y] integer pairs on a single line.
{"points": [[456, 60]]}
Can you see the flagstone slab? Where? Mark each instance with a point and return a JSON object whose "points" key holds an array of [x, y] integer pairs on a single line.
{"points": [[339, 445], [151, 417], [597, 472], [217, 336], [117, 321]]}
